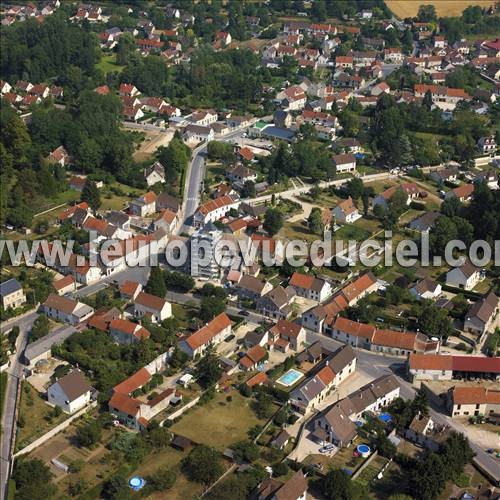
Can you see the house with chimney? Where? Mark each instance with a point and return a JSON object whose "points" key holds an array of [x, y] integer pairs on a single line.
{"points": [[144, 205], [250, 287], [154, 173], [71, 392], [66, 310], [467, 276], [126, 332], [466, 401], [213, 333], [277, 303]]}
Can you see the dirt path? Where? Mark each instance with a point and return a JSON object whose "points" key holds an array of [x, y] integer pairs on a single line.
{"points": [[151, 143]]}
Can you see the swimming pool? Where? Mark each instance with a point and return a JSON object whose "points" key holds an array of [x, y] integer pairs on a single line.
{"points": [[385, 417], [290, 377]]}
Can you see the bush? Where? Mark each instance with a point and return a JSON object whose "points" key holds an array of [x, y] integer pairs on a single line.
{"points": [[463, 480], [417, 205], [280, 469]]}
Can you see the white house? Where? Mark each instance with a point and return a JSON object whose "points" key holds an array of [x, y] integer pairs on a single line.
{"points": [[198, 133], [155, 173], [215, 209], [145, 205], [346, 212], [157, 308], [66, 310], [70, 393], [344, 163], [466, 276], [426, 289]]}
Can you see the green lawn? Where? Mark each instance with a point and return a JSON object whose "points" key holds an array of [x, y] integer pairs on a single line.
{"points": [[108, 65], [219, 423], [35, 414]]}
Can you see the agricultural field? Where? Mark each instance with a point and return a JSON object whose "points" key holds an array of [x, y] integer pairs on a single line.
{"points": [[409, 8]]}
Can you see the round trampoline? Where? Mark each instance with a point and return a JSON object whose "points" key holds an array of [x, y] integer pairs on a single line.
{"points": [[363, 450], [136, 483]]}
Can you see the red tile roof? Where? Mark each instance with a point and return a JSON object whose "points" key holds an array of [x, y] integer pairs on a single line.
{"points": [[284, 327], [129, 288], [150, 301], [258, 379], [390, 338], [354, 328], [137, 380], [204, 335], [125, 403]]}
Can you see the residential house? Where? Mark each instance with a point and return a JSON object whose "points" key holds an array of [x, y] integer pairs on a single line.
{"points": [[445, 175], [294, 488], [276, 303], [155, 173], [168, 221], [252, 358], [166, 201], [212, 333], [467, 276], [120, 220], [320, 318], [344, 62], [224, 37], [424, 432], [473, 401], [144, 205], [241, 174], [250, 287], [152, 306], [125, 332], [310, 287], [127, 89], [214, 210], [198, 133], [294, 98], [410, 189], [426, 289], [328, 374], [130, 289], [359, 288], [463, 193], [487, 145], [235, 121], [344, 163], [379, 89], [12, 294], [483, 316], [444, 97], [60, 156], [281, 440], [346, 212], [64, 285], [292, 333], [425, 222], [203, 118], [336, 424], [70, 393], [66, 310], [489, 177]]}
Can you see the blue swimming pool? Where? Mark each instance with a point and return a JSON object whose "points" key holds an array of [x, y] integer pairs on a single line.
{"points": [[385, 417], [290, 377]]}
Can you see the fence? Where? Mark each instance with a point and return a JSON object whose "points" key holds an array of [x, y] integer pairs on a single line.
{"points": [[365, 464], [58, 428], [180, 411]]}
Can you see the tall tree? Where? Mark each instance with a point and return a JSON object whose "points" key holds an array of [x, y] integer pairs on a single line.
{"points": [[156, 283], [273, 221], [90, 194]]}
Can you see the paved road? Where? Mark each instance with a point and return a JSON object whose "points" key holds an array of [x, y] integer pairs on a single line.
{"points": [[9, 412], [23, 322], [376, 365], [194, 179]]}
